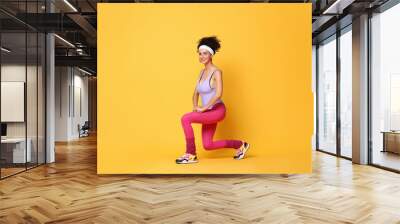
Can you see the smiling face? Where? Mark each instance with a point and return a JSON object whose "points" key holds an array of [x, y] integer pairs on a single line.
{"points": [[204, 56]]}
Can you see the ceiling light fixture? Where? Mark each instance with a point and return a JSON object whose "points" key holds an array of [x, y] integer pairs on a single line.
{"points": [[84, 71], [64, 40], [70, 5], [337, 7], [5, 50]]}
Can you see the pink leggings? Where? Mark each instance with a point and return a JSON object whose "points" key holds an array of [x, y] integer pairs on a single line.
{"points": [[208, 119]]}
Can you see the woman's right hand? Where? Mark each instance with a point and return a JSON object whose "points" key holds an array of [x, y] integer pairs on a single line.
{"points": [[195, 108]]}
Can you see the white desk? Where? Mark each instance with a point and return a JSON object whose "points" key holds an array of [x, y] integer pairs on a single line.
{"points": [[18, 149]]}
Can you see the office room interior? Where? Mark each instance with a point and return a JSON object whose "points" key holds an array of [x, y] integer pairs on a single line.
{"points": [[55, 152]]}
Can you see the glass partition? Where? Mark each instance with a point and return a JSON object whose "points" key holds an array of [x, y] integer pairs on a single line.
{"points": [[32, 95], [41, 109], [22, 89], [14, 153], [327, 95], [385, 89], [346, 92]]}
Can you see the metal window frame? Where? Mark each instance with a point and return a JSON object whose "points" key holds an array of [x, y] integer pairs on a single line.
{"points": [[389, 4]]}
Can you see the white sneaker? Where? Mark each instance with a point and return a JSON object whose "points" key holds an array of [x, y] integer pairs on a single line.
{"points": [[187, 158], [242, 152]]}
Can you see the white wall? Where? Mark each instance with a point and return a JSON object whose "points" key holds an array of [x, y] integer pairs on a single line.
{"points": [[15, 72], [71, 87], [34, 127], [80, 83], [62, 81]]}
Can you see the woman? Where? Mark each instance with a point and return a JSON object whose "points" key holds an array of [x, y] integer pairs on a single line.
{"points": [[209, 87]]}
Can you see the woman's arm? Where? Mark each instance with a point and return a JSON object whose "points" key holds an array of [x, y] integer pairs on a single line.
{"points": [[195, 98], [218, 94]]}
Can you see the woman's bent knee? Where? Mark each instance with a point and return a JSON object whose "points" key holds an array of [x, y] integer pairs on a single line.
{"points": [[186, 118], [208, 146]]}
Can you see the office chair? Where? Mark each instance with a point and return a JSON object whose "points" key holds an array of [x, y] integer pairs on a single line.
{"points": [[84, 130]]}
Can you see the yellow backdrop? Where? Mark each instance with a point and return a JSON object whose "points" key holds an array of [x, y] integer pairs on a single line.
{"points": [[147, 71]]}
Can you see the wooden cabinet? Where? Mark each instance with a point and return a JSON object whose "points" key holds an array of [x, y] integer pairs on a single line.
{"points": [[391, 142]]}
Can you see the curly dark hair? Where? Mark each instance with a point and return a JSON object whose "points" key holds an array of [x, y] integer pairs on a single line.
{"points": [[211, 41]]}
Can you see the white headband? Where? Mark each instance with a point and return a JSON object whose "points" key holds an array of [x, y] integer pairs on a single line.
{"points": [[205, 47]]}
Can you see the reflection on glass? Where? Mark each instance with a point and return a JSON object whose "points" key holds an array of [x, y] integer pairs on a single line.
{"points": [[327, 96], [346, 94], [386, 88], [41, 98], [31, 86]]}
